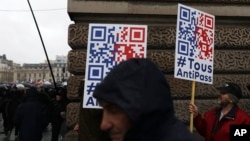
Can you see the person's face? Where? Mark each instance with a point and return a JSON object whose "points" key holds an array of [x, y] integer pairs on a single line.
{"points": [[223, 99], [114, 121]]}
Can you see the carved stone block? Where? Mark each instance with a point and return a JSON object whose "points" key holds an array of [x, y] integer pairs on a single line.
{"points": [[74, 87], [161, 37], [232, 60], [72, 114], [78, 36], [164, 59], [76, 62], [228, 37]]}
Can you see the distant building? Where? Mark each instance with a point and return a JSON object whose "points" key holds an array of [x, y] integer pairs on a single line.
{"points": [[41, 71], [6, 69]]}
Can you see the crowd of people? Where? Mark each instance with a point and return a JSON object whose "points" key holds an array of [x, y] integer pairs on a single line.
{"points": [[137, 106], [27, 110]]}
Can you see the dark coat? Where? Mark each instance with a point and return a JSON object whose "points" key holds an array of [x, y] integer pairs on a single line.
{"points": [[31, 117], [9, 105], [139, 88]]}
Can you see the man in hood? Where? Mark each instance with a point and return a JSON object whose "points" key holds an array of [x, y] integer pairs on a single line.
{"points": [[137, 104]]}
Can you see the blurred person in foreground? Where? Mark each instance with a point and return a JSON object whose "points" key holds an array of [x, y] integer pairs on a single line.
{"points": [[32, 116], [137, 104], [215, 123]]}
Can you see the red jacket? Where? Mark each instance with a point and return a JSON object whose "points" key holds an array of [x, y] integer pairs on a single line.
{"points": [[212, 129]]}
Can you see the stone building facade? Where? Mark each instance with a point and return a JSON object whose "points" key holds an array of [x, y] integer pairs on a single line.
{"points": [[6, 69], [41, 71], [231, 58]]}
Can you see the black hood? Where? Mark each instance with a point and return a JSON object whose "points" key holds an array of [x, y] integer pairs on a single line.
{"points": [[139, 88]]}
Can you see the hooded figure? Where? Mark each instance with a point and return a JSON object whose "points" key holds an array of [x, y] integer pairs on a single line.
{"points": [[31, 116], [139, 89]]}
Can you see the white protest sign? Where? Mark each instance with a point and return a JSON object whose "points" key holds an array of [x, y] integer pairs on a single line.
{"points": [[194, 45], [108, 45]]}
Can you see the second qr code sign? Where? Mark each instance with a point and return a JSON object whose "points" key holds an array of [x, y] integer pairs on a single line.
{"points": [[108, 45]]}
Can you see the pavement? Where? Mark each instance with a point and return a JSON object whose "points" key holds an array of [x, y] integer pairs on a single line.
{"points": [[46, 133]]}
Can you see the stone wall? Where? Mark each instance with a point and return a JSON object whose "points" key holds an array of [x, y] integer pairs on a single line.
{"points": [[231, 58]]}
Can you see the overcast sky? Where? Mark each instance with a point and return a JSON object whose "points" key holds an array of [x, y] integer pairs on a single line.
{"points": [[19, 37]]}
